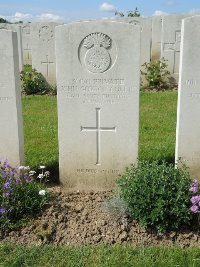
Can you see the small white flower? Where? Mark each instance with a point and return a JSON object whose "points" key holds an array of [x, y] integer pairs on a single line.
{"points": [[40, 176], [42, 167], [21, 168], [42, 192], [31, 173], [27, 168]]}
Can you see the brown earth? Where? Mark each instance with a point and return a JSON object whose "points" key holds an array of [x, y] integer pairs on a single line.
{"points": [[91, 218]]}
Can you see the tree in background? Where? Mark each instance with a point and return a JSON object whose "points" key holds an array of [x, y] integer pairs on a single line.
{"points": [[132, 13], [3, 20]]}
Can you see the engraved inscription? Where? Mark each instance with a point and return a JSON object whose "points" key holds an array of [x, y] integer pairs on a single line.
{"points": [[97, 91], [5, 98], [98, 129], [97, 58], [46, 34], [192, 82], [110, 171]]}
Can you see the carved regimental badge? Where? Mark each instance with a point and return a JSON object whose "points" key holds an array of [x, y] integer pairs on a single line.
{"points": [[46, 34], [97, 58]]}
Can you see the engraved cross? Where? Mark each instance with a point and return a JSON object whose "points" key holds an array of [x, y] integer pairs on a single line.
{"points": [[47, 63], [28, 49], [174, 46], [98, 129]]}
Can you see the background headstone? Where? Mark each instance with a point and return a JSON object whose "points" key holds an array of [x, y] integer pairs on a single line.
{"points": [[188, 122], [43, 49], [26, 43], [11, 133], [145, 24], [16, 28], [98, 69], [170, 43], [156, 37]]}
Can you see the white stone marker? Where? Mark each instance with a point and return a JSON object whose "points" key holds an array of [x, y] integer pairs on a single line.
{"points": [[98, 65], [26, 42], [11, 133], [188, 123], [156, 38], [170, 43], [43, 49], [16, 28], [145, 24]]}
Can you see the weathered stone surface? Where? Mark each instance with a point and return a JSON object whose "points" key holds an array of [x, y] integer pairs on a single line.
{"points": [[170, 43], [16, 28], [98, 101], [43, 49], [11, 134], [145, 24], [26, 43], [156, 37], [188, 127]]}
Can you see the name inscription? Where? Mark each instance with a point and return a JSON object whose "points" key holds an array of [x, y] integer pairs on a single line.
{"points": [[95, 171], [97, 91], [5, 98]]}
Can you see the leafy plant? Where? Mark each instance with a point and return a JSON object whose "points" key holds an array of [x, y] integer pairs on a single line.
{"points": [[157, 195], [134, 13], [131, 13], [20, 194], [33, 82], [156, 74]]}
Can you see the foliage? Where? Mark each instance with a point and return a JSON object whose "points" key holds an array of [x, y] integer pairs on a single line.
{"points": [[131, 13], [33, 82], [134, 13], [119, 14], [157, 195], [3, 20], [156, 74], [195, 200], [20, 194]]}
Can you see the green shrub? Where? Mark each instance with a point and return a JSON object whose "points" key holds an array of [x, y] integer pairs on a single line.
{"points": [[156, 74], [20, 195], [157, 195], [33, 82]]}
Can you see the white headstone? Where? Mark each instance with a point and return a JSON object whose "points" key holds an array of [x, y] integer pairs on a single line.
{"points": [[188, 123], [11, 133], [170, 43], [26, 43], [16, 28], [98, 69], [145, 24], [156, 37], [43, 49]]}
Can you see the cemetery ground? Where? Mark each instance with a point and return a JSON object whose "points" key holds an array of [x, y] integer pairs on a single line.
{"points": [[89, 222]]}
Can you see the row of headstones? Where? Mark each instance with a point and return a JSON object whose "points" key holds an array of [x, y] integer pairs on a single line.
{"points": [[98, 101], [160, 37]]}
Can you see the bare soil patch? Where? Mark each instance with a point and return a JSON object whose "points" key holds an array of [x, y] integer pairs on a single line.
{"points": [[79, 218]]}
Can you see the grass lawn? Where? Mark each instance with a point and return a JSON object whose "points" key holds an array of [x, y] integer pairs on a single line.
{"points": [[157, 128], [98, 256]]}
